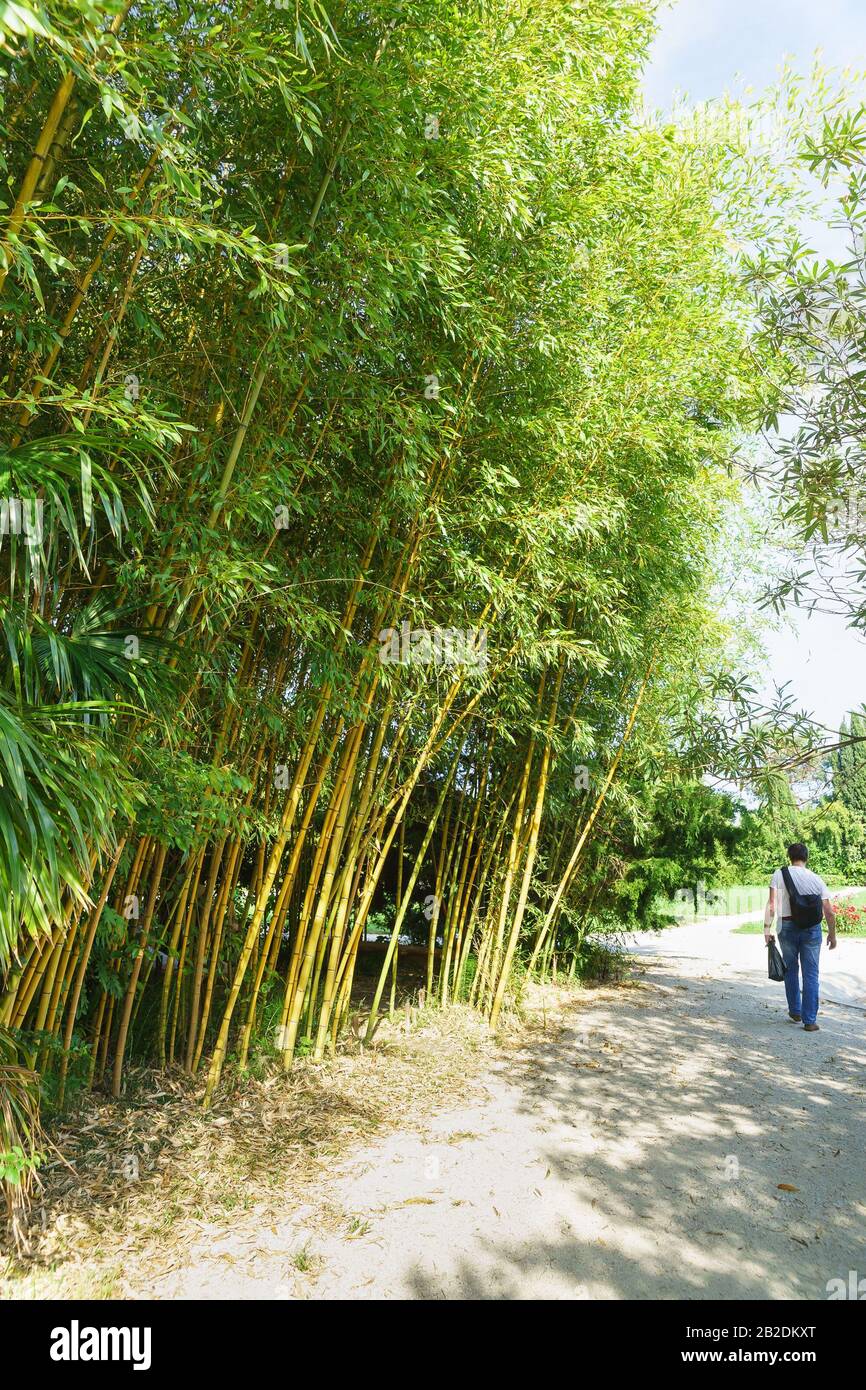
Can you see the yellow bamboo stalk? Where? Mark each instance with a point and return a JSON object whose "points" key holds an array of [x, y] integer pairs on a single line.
{"points": [[123, 1028], [590, 820], [529, 862]]}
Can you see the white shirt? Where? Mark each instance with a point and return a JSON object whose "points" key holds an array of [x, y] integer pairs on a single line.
{"points": [[804, 881]]}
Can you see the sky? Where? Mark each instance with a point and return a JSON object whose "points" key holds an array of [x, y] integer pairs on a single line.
{"points": [[707, 47], [704, 49]]}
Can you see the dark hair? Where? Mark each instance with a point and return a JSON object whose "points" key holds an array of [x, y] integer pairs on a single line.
{"points": [[798, 851]]}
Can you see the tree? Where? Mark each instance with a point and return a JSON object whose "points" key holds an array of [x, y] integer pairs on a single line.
{"points": [[380, 372], [849, 765], [812, 312]]}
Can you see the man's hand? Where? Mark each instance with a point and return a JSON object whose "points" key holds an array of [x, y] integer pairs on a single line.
{"points": [[768, 935], [830, 919]]}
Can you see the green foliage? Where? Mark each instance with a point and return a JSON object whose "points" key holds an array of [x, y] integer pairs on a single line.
{"points": [[811, 312], [20, 1132], [850, 918], [834, 835], [849, 765], [319, 325]]}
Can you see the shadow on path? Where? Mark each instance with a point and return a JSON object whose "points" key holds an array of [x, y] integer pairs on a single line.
{"points": [[664, 1126]]}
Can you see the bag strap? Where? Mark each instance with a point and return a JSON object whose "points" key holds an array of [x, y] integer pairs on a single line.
{"points": [[789, 884]]}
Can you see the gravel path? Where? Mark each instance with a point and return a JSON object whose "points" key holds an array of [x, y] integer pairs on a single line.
{"points": [[636, 1151]]}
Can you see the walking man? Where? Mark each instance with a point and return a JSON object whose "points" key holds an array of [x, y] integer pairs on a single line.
{"points": [[797, 896]]}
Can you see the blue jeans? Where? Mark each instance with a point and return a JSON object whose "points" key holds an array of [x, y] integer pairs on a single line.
{"points": [[801, 947]]}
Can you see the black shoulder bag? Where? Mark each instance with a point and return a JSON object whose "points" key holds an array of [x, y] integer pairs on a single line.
{"points": [[806, 908]]}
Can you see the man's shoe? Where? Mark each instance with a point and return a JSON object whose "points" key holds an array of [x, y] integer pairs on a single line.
{"points": [[811, 1028], [796, 1018]]}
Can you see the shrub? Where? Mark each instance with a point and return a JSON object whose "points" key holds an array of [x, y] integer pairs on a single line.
{"points": [[850, 919]]}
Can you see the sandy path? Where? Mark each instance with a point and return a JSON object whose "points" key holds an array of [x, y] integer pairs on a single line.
{"points": [[635, 1153], [842, 972]]}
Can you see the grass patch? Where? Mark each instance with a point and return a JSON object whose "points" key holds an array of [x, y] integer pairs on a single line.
{"points": [[850, 917], [756, 929], [714, 902], [854, 899], [731, 902]]}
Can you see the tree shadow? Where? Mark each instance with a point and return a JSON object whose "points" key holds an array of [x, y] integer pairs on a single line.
{"points": [[685, 1128]]}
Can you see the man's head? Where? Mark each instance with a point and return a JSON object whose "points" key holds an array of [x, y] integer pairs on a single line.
{"points": [[798, 853]]}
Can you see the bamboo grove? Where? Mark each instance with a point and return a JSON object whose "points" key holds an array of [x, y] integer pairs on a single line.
{"points": [[369, 380]]}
